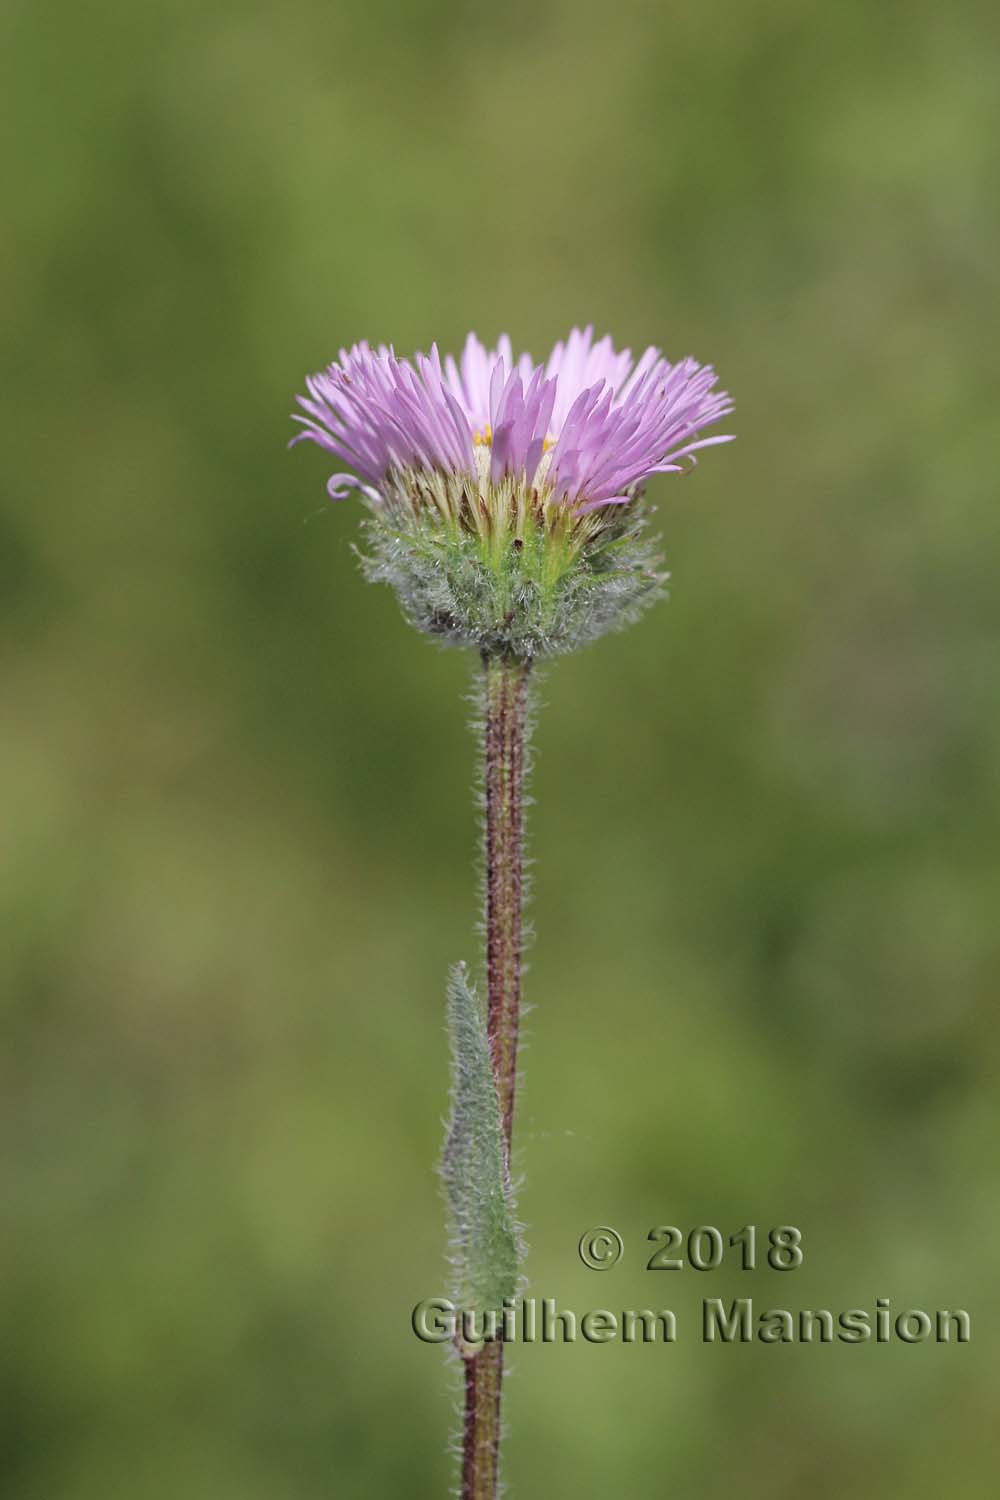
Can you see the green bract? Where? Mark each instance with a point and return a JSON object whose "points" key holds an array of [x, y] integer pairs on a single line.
{"points": [[513, 574]]}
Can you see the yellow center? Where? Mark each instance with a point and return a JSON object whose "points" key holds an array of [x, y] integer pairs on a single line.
{"points": [[484, 439]]}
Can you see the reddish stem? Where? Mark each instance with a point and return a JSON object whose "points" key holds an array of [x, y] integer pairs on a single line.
{"points": [[505, 725]]}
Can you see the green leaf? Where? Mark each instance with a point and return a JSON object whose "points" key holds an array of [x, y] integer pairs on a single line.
{"points": [[484, 1238]]}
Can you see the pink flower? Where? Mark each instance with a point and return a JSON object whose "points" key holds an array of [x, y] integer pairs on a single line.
{"points": [[585, 429]]}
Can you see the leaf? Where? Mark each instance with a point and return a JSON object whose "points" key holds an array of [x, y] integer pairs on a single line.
{"points": [[484, 1238]]}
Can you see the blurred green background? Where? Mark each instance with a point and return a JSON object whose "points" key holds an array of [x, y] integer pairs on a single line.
{"points": [[238, 833]]}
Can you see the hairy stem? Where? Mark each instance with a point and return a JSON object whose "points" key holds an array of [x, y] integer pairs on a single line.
{"points": [[505, 725], [481, 1425]]}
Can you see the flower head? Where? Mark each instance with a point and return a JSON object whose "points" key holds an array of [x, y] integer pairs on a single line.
{"points": [[511, 474]]}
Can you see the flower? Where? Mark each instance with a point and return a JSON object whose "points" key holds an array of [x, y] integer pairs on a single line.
{"points": [[505, 498], [584, 430]]}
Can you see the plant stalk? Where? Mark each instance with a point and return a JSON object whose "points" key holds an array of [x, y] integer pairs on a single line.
{"points": [[505, 729]]}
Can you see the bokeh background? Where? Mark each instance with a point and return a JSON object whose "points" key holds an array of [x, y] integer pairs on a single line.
{"points": [[238, 829]]}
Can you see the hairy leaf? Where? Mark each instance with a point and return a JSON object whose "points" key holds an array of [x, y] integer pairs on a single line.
{"points": [[484, 1237]]}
